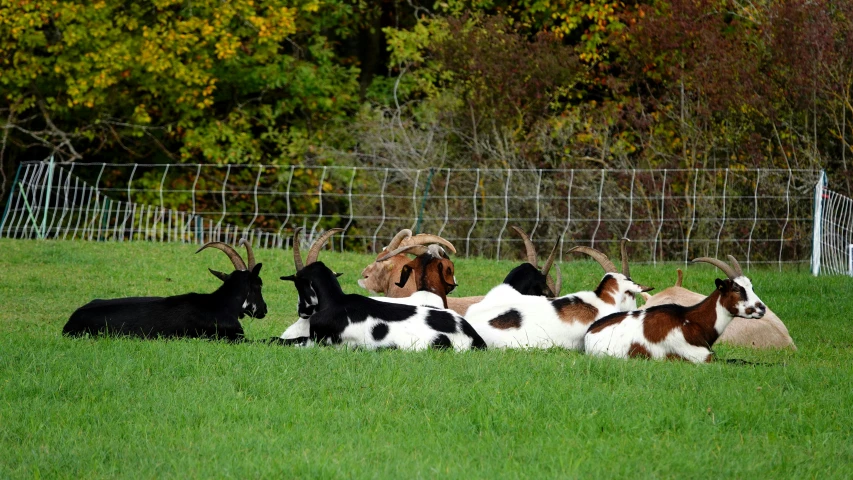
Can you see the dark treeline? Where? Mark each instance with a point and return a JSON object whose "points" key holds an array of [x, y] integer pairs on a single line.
{"points": [[526, 83]]}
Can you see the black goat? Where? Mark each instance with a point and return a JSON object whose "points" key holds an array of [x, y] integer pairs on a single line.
{"points": [[210, 315]]}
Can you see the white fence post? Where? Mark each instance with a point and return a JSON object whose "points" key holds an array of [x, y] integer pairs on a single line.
{"points": [[817, 231]]}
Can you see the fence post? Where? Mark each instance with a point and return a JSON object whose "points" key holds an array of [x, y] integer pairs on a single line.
{"points": [[424, 200], [50, 166], [9, 200], [850, 259], [817, 230]]}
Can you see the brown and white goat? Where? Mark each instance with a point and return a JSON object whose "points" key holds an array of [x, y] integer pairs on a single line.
{"points": [[765, 332], [508, 319], [677, 331]]}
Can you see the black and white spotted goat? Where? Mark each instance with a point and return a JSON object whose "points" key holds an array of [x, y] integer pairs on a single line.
{"points": [[335, 318], [210, 315]]}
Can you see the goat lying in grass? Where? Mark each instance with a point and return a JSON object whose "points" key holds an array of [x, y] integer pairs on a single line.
{"points": [[508, 319], [211, 315], [390, 273], [383, 274], [765, 332], [358, 321], [675, 331]]}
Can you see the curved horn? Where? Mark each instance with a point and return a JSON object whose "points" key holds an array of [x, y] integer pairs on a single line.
{"points": [[398, 251], [401, 235], [719, 264], [318, 244], [559, 286], [297, 255], [528, 245], [428, 239], [624, 251], [736, 266], [250, 255], [229, 250], [547, 267], [599, 257]]}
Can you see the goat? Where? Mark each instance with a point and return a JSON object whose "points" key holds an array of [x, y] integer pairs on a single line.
{"points": [[431, 271], [527, 278], [677, 331], [306, 305], [212, 315], [383, 274], [765, 332], [508, 319], [354, 320]]}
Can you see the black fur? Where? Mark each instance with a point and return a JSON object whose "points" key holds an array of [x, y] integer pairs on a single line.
{"points": [[441, 321], [211, 315], [335, 310], [380, 330], [528, 280]]}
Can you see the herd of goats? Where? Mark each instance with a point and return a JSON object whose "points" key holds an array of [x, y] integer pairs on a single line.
{"points": [[416, 274]]}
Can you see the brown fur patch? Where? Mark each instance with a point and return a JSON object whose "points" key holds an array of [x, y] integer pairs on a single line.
{"points": [[510, 319], [675, 357], [658, 323], [607, 290], [607, 321], [730, 296], [571, 309], [637, 350]]}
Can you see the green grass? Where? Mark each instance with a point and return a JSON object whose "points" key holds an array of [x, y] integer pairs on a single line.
{"points": [[107, 408]]}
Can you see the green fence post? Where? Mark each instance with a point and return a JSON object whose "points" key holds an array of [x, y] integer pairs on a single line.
{"points": [[9, 200], [423, 201]]}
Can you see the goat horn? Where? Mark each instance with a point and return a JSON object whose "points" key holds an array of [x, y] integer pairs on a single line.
{"points": [[250, 255], [297, 255], [428, 239], [624, 251], [600, 257], [549, 262], [398, 251], [719, 264], [736, 266], [401, 235], [318, 244], [229, 250], [528, 245], [555, 289]]}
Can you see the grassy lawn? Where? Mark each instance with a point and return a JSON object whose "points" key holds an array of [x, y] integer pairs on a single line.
{"points": [[107, 408]]}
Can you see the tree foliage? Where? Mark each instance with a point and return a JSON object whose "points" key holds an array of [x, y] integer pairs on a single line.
{"points": [[556, 83]]}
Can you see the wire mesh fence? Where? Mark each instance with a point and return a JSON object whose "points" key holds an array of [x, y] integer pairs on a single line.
{"points": [[832, 251], [759, 215]]}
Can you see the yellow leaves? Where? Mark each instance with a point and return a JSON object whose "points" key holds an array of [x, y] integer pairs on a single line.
{"points": [[227, 47], [312, 6]]}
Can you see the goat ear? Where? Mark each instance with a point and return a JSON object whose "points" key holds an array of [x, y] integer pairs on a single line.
{"points": [[404, 276], [448, 286], [338, 274], [720, 284], [289, 278], [644, 288], [219, 275], [257, 269]]}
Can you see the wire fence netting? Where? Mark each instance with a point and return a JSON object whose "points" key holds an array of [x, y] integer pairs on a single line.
{"points": [[761, 216]]}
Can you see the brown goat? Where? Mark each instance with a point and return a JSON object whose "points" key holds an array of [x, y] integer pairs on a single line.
{"points": [[383, 274]]}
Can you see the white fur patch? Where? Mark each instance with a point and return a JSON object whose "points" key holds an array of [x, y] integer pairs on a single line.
{"points": [[541, 327]]}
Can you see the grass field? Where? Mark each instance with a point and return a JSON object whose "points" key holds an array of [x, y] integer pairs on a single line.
{"points": [[125, 408]]}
